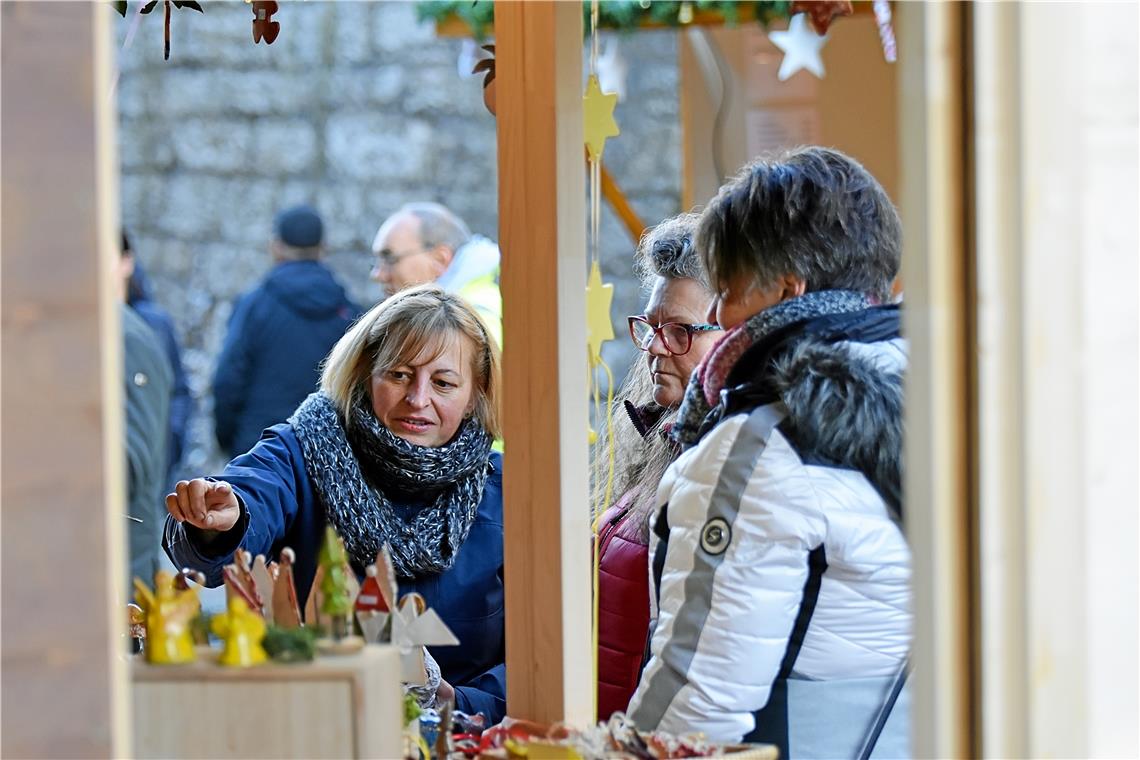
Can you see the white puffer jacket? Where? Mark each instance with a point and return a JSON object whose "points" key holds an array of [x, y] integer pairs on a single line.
{"points": [[745, 509]]}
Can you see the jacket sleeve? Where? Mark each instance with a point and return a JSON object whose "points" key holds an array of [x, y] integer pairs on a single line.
{"points": [[270, 483], [231, 378], [181, 402], [740, 527], [486, 693]]}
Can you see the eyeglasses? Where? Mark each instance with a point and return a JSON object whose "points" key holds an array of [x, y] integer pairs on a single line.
{"points": [[677, 337], [389, 259]]}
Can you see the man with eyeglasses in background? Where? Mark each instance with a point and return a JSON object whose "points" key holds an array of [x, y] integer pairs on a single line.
{"points": [[426, 242]]}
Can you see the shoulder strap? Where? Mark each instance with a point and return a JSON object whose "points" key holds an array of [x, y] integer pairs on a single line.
{"points": [[875, 727]]}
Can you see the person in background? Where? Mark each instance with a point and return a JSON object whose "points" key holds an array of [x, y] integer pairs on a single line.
{"points": [[780, 570], [394, 449], [675, 337], [136, 294], [426, 242], [148, 380], [278, 334]]}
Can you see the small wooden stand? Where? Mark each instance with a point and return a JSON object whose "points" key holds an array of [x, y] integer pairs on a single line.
{"points": [[334, 707]]}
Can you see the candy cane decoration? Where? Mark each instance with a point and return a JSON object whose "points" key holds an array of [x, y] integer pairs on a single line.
{"points": [[886, 33]]}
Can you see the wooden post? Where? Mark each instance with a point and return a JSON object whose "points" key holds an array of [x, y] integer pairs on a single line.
{"points": [[542, 235], [65, 684], [939, 477]]}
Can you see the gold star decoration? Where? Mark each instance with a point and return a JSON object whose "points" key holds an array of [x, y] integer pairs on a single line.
{"points": [[599, 328], [598, 117]]}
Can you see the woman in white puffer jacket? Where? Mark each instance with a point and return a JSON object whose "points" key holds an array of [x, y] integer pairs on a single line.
{"points": [[781, 576]]}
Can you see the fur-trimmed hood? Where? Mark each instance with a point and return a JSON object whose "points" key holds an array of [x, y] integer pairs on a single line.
{"points": [[845, 407]]}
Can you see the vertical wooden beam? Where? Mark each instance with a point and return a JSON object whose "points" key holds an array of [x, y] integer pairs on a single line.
{"points": [[64, 685], [939, 383], [542, 235], [1004, 656]]}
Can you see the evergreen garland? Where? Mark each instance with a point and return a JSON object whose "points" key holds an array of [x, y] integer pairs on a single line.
{"points": [[622, 15]]}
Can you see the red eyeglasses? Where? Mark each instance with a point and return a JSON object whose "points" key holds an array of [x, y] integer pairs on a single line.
{"points": [[677, 337]]}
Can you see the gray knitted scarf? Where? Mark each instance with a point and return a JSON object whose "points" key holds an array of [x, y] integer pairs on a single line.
{"points": [[710, 376], [358, 471]]}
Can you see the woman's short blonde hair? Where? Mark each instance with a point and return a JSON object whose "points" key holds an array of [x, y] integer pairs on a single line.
{"points": [[402, 328]]}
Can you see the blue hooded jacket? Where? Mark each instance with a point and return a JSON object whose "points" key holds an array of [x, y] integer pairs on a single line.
{"points": [[278, 335], [281, 508]]}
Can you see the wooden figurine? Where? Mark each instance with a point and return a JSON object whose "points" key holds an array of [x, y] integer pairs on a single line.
{"points": [[263, 587], [242, 629], [169, 612], [239, 580], [286, 611], [415, 626], [373, 609], [199, 624], [335, 603]]}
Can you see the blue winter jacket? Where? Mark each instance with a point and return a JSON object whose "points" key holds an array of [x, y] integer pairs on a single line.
{"points": [[278, 335], [280, 508]]}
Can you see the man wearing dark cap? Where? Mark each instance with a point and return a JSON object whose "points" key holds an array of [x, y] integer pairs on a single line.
{"points": [[278, 334]]}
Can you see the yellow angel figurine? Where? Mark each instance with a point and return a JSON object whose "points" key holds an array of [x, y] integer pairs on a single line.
{"points": [[169, 611], [243, 630]]}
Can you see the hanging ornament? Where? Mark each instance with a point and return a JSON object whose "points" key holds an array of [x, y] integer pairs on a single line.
{"points": [[121, 7], [264, 27], [801, 48], [886, 32], [487, 65], [598, 115], [822, 12], [599, 298]]}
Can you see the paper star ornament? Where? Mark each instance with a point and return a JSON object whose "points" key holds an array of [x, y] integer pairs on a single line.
{"points": [[598, 116], [599, 328], [801, 48]]}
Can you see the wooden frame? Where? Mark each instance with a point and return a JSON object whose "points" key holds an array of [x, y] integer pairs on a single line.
{"points": [[542, 236], [60, 323], [939, 392], [64, 526]]}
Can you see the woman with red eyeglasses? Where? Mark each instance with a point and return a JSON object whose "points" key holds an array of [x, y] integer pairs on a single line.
{"points": [[674, 338]]}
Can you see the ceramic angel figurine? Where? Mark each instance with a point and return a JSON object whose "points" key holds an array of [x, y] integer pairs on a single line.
{"points": [[169, 612], [242, 629]]}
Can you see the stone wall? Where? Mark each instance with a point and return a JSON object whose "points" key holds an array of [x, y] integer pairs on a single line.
{"points": [[356, 108]]}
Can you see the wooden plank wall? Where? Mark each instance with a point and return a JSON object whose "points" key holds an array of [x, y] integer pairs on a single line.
{"points": [[542, 235], [64, 690]]}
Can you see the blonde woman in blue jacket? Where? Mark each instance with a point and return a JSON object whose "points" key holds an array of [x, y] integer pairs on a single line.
{"points": [[394, 448]]}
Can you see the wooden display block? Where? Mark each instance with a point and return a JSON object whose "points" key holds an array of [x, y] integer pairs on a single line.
{"points": [[334, 707]]}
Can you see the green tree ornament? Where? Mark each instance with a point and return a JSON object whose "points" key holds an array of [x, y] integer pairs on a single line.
{"points": [[335, 603]]}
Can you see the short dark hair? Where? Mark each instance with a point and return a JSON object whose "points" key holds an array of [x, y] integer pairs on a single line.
{"points": [[667, 250], [125, 246], [812, 212]]}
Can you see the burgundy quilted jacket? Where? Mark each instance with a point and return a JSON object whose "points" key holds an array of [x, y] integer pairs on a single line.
{"points": [[623, 605]]}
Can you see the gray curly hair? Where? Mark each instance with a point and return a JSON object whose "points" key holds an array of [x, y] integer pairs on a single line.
{"points": [[667, 250]]}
